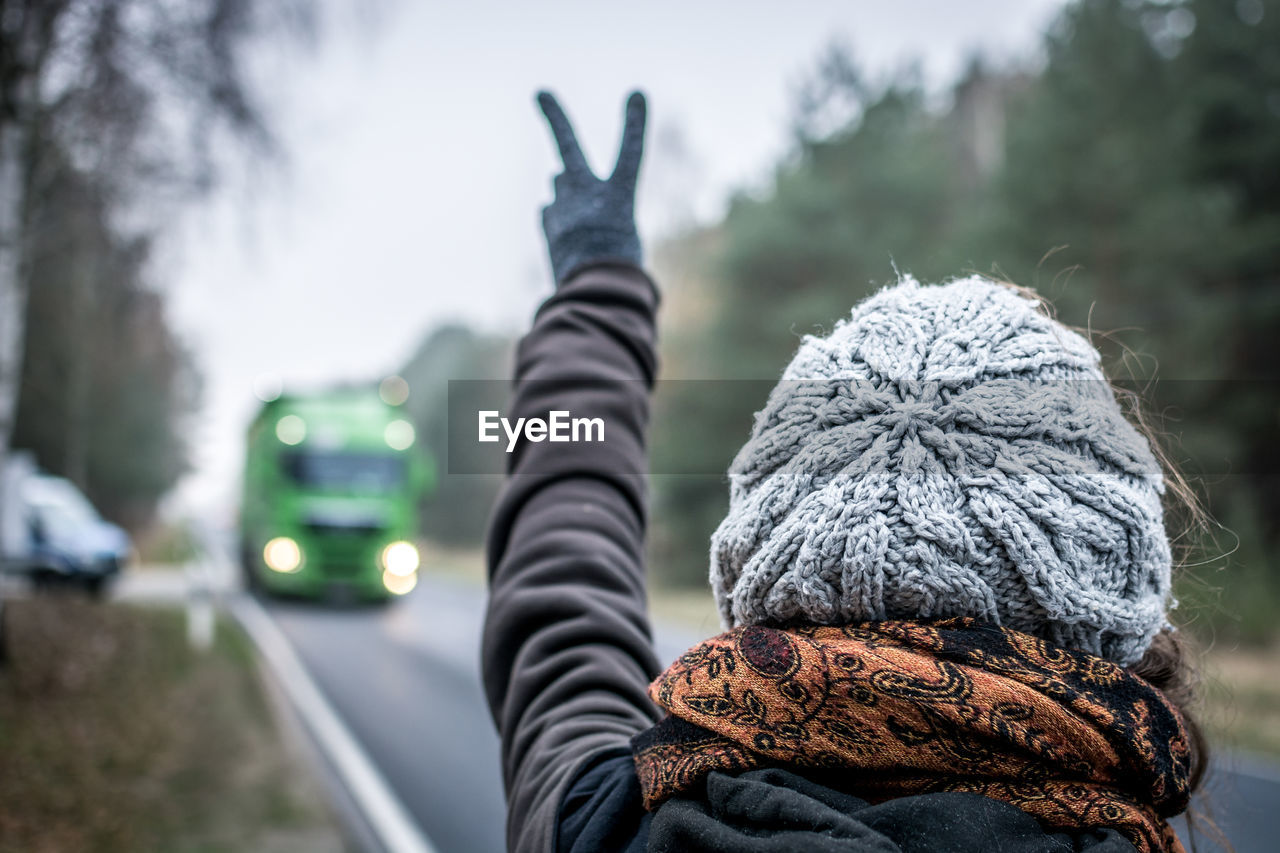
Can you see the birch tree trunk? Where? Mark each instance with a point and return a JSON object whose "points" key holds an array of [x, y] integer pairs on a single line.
{"points": [[13, 293], [13, 312]]}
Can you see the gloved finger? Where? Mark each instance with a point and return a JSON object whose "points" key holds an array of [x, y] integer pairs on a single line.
{"points": [[628, 167], [566, 141]]}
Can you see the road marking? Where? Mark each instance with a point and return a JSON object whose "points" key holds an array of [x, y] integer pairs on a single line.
{"points": [[383, 810]]}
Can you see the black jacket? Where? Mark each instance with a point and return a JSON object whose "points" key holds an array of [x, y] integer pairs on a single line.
{"points": [[567, 649]]}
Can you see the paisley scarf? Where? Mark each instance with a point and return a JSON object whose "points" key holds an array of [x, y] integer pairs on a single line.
{"points": [[910, 708]]}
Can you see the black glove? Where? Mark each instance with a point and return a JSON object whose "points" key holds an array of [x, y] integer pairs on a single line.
{"points": [[593, 221]]}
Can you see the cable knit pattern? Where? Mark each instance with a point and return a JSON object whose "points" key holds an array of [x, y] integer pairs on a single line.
{"points": [[948, 451]]}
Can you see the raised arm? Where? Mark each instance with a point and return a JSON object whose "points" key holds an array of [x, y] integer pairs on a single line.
{"points": [[567, 650]]}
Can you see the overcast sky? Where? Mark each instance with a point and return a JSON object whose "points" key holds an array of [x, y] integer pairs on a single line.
{"points": [[418, 164]]}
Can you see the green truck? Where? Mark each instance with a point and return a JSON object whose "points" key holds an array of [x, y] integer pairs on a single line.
{"points": [[331, 487]]}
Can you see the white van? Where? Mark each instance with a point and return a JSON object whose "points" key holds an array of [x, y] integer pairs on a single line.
{"points": [[68, 540]]}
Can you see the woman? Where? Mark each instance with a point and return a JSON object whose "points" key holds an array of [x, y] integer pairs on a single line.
{"points": [[944, 570]]}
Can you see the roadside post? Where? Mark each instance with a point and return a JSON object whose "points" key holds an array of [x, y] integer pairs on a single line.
{"points": [[200, 609]]}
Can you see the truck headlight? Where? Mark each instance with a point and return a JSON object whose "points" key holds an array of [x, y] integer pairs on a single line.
{"points": [[399, 435], [399, 584], [291, 429], [400, 559], [282, 554]]}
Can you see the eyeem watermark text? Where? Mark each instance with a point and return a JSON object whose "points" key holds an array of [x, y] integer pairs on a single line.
{"points": [[559, 426]]}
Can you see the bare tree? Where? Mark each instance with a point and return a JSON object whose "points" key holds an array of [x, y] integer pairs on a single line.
{"points": [[132, 95]]}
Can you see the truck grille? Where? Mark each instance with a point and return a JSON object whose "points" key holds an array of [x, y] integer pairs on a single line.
{"points": [[344, 549]]}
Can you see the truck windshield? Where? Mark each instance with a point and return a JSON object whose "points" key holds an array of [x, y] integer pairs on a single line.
{"points": [[355, 472]]}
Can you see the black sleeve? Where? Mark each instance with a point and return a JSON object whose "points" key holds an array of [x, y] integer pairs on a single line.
{"points": [[603, 811], [567, 652]]}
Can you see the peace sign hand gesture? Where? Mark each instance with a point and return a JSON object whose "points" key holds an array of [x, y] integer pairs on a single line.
{"points": [[592, 221]]}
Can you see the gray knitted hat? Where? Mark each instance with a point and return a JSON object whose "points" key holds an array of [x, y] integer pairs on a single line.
{"points": [[948, 451]]}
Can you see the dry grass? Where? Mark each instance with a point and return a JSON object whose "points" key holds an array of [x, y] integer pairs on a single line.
{"points": [[1241, 694], [114, 736], [465, 564], [693, 610]]}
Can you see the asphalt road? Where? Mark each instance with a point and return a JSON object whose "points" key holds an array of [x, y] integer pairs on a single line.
{"points": [[1242, 796], [405, 678]]}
